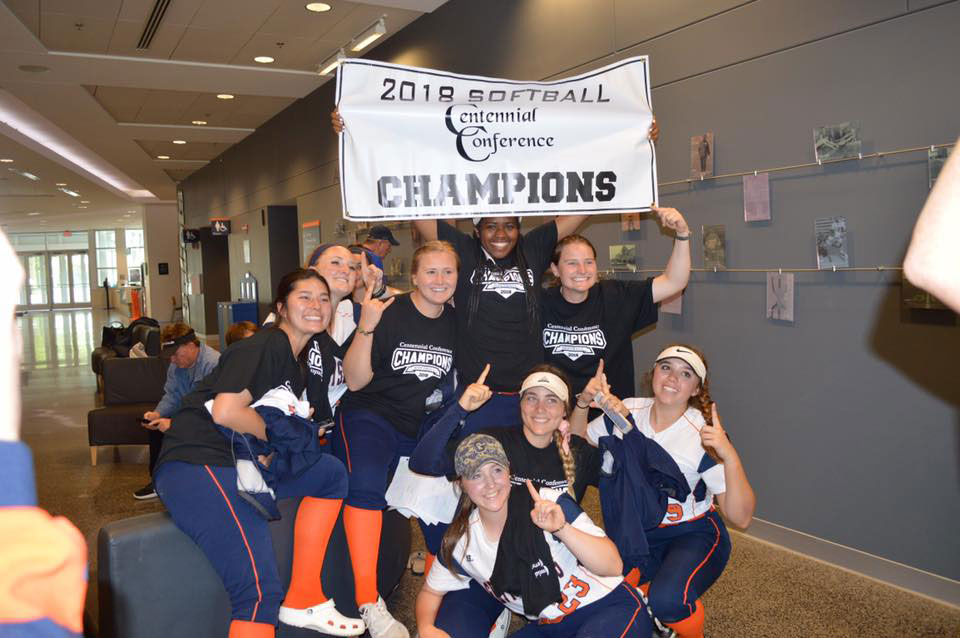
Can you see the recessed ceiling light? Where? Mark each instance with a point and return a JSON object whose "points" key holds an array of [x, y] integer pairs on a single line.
{"points": [[163, 157], [81, 206], [68, 192], [199, 122], [263, 59], [318, 7], [84, 201], [33, 214], [6, 160], [61, 183], [179, 141], [224, 96]]}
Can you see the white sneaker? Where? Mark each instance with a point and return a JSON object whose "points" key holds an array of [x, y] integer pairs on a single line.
{"points": [[502, 626], [323, 618], [380, 623]]}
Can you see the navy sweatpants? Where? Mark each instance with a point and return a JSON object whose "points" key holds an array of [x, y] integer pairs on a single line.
{"points": [[686, 559], [619, 614], [369, 447], [204, 504]]}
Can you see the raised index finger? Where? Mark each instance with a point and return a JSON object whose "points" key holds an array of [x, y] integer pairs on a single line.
{"points": [[600, 369], [534, 494], [482, 379], [713, 411], [368, 294]]}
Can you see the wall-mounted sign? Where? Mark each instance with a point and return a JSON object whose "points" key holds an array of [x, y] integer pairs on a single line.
{"points": [[190, 236], [220, 226]]}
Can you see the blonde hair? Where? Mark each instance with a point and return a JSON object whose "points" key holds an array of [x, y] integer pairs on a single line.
{"points": [[434, 246]]}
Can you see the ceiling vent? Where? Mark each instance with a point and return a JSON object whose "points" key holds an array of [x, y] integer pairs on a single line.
{"points": [[153, 23]]}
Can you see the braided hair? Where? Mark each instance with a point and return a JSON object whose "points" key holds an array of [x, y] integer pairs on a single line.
{"points": [[488, 268], [566, 458]]}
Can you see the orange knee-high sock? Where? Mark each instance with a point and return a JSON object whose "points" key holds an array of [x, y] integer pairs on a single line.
{"points": [[691, 626], [311, 533], [633, 577], [363, 538], [246, 629], [428, 561]]}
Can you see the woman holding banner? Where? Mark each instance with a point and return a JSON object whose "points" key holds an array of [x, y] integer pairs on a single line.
{"points": [[587, 321], [402, 351]]}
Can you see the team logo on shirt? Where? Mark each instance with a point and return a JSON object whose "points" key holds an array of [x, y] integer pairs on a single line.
{"points": [[315, 360], [503, 282], [574, 342], [422, 361]]}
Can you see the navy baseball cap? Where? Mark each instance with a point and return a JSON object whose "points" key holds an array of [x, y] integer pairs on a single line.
{"points": [[382, 232]]}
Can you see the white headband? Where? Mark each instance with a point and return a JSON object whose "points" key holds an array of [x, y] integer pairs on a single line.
{"points": [[546, 380], [685, 354]]}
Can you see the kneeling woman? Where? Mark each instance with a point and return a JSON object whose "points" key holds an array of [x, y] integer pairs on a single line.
{"points": [[535, 551], [197, 479], [691, 546]]}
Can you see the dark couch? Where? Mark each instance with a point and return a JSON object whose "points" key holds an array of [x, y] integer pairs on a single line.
{"points": [[154, 582], [131, 386], [149, 336]]}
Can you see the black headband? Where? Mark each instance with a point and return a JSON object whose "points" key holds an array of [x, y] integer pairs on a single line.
{"points": [[190, 337]]}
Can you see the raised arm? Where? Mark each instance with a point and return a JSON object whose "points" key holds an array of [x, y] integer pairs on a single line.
{"points": [[357, 363], [739, 501], [677, 273]]}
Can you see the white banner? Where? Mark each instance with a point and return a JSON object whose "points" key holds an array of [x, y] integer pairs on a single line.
{"points": [[421, 143]]}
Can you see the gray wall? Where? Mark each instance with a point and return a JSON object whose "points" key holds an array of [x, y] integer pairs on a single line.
{"points": [[847, 420]]}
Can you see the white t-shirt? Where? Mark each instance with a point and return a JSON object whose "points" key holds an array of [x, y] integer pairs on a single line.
{"points": [[578, 585], [681, 440]]}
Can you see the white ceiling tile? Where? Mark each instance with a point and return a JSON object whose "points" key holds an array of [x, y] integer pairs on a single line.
{"points": [[354, 23], [120, 97], [28, 12], [292, 19], [207, 45], [102, 9], [230, 15], [178, 12], [267, 44], [127, 34], [59, 32]]}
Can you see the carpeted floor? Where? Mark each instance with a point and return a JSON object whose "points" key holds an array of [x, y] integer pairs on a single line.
{"points": [[765, 592]]}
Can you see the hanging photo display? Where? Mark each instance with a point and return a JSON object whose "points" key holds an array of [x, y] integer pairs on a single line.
{"points": [[837, 141], [831, 234], [715, 246], [756, 197], [426, 143], [780, 296], [936, 158], [701, 156], [623, 257]]}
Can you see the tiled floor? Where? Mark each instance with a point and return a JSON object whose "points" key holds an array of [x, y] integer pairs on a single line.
{"points": [[765, 591]]}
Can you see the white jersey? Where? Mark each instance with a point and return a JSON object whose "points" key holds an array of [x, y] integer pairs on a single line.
{"points": [[578, 585], [681, 440]]}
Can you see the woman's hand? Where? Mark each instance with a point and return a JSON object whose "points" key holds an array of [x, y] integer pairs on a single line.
{"points": [[671, 219], [545, 514], [599, 385], [715, 437], [477, 393], [337, 122], [371, 312], [433, 632]]}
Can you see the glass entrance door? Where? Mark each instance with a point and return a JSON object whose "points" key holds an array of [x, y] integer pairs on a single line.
{"points": [[69, 279], [35, 291]]}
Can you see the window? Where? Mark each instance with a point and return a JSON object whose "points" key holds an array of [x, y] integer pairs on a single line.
{"points": [[134, 242], [106, 241]]}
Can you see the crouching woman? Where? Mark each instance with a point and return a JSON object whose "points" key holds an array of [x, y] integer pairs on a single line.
{"points": [[535, 552]]}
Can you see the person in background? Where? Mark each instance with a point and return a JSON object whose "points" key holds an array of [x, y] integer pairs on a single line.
{"points": [[190, 361], [43, 558], [240, 330], [379, 241]]}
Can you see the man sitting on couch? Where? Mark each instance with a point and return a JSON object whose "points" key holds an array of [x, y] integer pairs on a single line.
{"points": [[190, 361]]}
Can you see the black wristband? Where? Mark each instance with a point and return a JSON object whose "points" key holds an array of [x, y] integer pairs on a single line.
{"points": [[679, 238]]}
